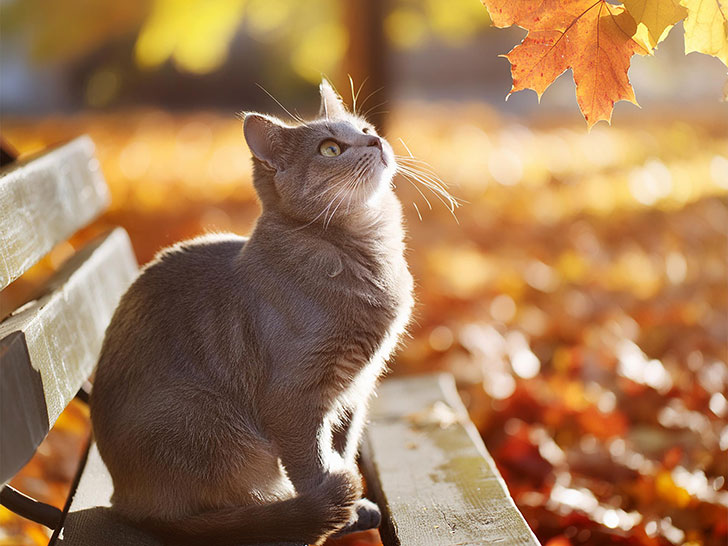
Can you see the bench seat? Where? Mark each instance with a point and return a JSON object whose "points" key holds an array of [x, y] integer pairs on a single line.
{"points": [[424, 462], [430, 473]]}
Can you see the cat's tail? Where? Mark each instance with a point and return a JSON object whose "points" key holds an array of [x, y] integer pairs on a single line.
{"points": [[309, 517]]}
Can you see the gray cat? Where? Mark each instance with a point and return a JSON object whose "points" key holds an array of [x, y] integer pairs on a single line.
{"points": [[233, 383]]}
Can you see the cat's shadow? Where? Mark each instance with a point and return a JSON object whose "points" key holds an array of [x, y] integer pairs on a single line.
{"points": [[100, 526]]}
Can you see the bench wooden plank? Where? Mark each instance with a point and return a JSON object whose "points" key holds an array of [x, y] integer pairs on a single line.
{"points": [[429, 471], [44, 199], [64, 329]]}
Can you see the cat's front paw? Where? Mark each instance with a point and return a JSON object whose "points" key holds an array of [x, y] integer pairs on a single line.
{"points": [[334, 500], [366, 516]]}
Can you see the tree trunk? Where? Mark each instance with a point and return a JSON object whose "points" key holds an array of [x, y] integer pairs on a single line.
{"points": [[367, 58]]}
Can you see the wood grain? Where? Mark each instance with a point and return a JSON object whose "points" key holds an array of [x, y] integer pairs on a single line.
{"points": [[44, 199], [429, 471], [64, 329]]}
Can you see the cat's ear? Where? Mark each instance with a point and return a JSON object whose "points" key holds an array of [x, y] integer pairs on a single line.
{"points": [[264, 135], [331, 104]]}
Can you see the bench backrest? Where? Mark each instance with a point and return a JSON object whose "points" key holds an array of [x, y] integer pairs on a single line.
{"points": [[49, 346]]}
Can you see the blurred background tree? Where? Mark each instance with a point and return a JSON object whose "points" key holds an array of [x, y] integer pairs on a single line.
{"points": [[207, 54], [102, 55]]}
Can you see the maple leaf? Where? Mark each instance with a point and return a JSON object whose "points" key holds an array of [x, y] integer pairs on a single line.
{"points": [[653, 18], [504, 13], [706, 27], [593, 38]]}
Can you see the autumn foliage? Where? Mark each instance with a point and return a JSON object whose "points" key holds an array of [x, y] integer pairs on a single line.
{"points": [[597, 39]]}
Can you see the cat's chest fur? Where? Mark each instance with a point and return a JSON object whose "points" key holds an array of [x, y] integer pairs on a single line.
{"points": [[338, 307]]}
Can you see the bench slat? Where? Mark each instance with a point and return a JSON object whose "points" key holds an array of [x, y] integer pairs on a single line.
{"points": [[63, 332], [429, 471], [44, 199]]}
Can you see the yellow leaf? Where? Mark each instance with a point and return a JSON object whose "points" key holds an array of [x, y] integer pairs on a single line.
{"points": [[670, 491], [654, 17], [196, 35], [406, 27], [706, 27], [319, 50]]}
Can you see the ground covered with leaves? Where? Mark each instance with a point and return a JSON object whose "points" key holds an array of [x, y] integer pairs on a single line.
{"points": [[580, 299]]}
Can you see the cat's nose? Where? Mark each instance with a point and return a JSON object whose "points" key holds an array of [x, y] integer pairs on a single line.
{"points": [[375, 141]]}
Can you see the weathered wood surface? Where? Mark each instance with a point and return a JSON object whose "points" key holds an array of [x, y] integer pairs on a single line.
{"points": [[44, 199], [63, 329], [429, 471]]}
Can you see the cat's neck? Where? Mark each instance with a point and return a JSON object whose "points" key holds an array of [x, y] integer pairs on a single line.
{"points": [[376, 224], [371, 241]]}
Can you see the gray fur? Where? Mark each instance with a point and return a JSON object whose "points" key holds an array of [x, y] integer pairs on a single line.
{"points": [[233, 383]]}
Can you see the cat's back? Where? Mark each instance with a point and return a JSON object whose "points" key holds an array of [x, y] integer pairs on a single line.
{"points": [[191, 264], [186, 273], [179, 303]]}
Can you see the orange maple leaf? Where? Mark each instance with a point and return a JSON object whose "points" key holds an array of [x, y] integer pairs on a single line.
{"points": [[593, 38]]}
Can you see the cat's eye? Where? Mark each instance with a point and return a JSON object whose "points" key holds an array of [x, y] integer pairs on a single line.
{"points": [[365, 130], [329, 148]]}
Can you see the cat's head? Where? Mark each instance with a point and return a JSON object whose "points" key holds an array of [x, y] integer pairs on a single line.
{"points": [[309, 170]]}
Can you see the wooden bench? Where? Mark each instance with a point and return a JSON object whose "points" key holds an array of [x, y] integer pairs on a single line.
{"points": [[424, 462]]}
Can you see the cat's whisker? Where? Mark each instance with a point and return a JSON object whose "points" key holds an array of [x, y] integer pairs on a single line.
{"points": [[406, 177], [432, 177], [433, 184], [299, 119], [331, 188], [373, 112], [357, 182], [359, 177], [414, 160], [406, 148], [358, 91], [418, 210], [430, 183], [355, 96], [327, 190], [337, 207], [421, 172], [326, 223], [422, 166], [426, 172], [370, 95], [353, 192]]}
